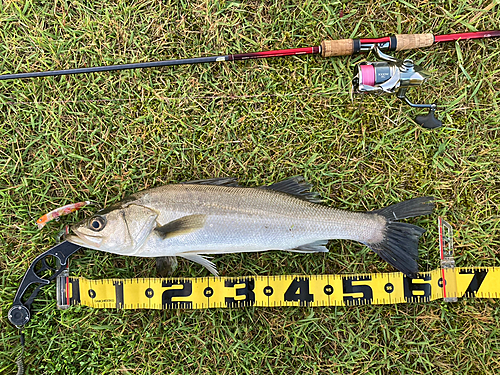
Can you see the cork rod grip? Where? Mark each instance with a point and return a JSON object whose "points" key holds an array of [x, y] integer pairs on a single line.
{"points": [[410, 41], [341, 47]]}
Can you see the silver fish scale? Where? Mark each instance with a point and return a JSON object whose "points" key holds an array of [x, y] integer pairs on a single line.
{"points": [[249, 219]]}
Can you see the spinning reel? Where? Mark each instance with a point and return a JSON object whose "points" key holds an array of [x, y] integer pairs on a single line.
{"points": [[396, 77]]}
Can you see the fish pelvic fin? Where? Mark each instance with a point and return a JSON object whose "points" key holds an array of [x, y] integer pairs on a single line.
{"points": [[183, 225], [400, 244], [202, 261], [165, 266]]}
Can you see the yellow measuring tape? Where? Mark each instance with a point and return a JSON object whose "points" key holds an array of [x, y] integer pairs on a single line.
{"points": [[286, 290], [447, 283]]}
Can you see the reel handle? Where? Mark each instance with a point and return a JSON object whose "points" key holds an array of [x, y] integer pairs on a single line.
{"points": [[429, 121]]}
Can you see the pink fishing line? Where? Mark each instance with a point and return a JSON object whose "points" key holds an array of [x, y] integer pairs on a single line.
{"points": [[367, 75]]}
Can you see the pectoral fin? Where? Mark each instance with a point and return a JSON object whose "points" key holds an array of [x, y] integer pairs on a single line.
{"points": [[183, 225]]}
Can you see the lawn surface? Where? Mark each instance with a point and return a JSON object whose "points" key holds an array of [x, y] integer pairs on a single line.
{"points": [[103, 136]]}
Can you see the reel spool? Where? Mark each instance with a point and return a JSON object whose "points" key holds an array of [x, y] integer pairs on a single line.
{"points": [[395, 77]]}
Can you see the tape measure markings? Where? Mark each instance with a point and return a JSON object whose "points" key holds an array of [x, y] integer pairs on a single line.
{"points": [[283, 290]]}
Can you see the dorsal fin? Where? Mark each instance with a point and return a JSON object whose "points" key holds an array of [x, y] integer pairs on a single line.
{"points": [[219, 181], [296, 186]]}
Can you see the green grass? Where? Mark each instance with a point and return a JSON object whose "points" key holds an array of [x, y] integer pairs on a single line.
{"points": [[103, 136]]}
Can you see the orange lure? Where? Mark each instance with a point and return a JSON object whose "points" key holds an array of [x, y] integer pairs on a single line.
{"points": [[61, 211]]}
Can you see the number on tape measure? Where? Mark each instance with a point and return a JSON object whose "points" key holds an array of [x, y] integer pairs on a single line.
{"points": [[353, 285], [170, 298], [417, 291], [244, 294], [476, 281], [298, 291]]}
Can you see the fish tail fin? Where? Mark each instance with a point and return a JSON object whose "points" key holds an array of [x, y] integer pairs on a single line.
{"points": [[400, 244]]}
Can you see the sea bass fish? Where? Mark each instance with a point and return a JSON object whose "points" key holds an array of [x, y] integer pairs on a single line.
{"points": [[218, 216]]}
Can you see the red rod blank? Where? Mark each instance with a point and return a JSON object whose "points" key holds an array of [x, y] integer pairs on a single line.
{"points": [[277, 53], [385, 39], [465, 36]]}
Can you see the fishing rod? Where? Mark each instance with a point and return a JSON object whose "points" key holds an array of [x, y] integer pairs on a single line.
{"points": [[389, 76], [328, 48]]}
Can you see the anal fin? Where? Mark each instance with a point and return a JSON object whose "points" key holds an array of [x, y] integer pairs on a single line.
{"points": [[313, 247]]}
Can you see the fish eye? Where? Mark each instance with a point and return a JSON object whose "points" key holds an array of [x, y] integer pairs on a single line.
{"points": [[97, 223]]}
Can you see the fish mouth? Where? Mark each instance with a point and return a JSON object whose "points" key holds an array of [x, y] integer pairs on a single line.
{"points": [[83, 239]]}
